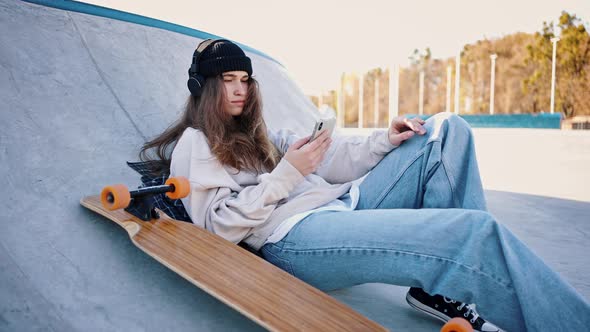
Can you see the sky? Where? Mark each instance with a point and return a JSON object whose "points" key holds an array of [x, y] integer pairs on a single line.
{"points": [[318, 40]]}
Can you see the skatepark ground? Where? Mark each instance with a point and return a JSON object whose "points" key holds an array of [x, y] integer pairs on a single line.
{"points": [[81, 93]]}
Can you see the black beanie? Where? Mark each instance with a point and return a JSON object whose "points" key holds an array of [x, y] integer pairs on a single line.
{"points": [[222, 56]]}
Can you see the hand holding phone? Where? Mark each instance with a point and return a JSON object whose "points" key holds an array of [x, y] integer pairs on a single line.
{"points": [[321, 126], [306, 157]]}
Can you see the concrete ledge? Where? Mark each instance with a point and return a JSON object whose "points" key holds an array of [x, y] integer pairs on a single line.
{"points": [[540, 120]]}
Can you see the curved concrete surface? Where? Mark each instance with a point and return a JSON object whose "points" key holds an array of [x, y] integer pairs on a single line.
{"points": [[79, 94]]}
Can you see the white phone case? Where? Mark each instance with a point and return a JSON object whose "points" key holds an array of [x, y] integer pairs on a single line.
{"points": [[323, 125]]}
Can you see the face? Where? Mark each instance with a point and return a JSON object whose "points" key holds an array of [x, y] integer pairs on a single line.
{"points": [[236, 88]]}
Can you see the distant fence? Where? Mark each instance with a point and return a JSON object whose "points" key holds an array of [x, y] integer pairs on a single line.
{"points": [[541, 120]]}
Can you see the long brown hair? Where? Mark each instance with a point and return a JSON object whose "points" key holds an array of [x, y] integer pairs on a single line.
{"points": [[238, 141]]}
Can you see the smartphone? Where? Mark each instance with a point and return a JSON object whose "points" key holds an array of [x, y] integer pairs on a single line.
{"points": [[321, 126]]}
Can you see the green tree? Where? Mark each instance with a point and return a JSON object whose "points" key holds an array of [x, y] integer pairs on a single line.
{"points": [[572, 67]]}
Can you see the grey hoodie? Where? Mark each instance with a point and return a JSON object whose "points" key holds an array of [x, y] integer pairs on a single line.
{"points": [[245, 206]]}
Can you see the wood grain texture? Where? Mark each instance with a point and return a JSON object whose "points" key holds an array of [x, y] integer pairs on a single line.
{"points": [[262, 292]]}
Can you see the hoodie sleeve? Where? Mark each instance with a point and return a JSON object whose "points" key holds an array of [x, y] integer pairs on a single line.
{"points": [[216, 202], [348, 158]]}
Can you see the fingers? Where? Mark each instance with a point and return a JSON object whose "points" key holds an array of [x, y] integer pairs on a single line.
{"points": [[403, 128], [325, 148], [319, 154], [415, 125], [398, 139], [320, 149], [317, 149], [322, 137], [307, 157], [299, 143], [406, 134], [326, 145]]}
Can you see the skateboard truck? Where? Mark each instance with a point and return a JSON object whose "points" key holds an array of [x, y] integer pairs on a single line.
{"points": [[138, 202], [142, 206]]}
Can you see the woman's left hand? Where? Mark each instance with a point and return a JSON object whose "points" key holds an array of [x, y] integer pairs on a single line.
{"points": [[402, 128]]}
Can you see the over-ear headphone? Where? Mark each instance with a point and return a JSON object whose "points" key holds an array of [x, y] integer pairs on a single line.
{"points": [[196, 81]]}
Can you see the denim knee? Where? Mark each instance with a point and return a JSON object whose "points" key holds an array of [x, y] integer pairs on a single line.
{"points": [[455, 127], [479, 225], [455, 121], [483, 219]]}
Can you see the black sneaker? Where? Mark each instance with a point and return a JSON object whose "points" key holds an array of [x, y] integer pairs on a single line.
{"points": [[444, 309]]}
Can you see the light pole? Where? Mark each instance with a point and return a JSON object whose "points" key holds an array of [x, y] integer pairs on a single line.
{"points": [[376, 115], [340, 101], [421, 94], [393, 92], [361, 93], [457, 81], [448, 104], [492, 83], [554, 40]]}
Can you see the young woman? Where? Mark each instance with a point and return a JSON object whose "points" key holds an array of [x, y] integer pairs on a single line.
{"points": [[403, 206]]}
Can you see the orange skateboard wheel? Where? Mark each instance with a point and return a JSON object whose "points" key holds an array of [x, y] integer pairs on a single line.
{"points": [[115, 197], [181, 187], [457, 324]]}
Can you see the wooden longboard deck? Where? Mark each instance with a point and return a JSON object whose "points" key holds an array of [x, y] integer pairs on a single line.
{"points": [[262, 292]]}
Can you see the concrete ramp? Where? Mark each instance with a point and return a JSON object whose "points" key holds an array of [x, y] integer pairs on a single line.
{"points": [[79, 94]]}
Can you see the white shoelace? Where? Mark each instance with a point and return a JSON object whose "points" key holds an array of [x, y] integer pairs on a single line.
{"points": [[470, 309]]}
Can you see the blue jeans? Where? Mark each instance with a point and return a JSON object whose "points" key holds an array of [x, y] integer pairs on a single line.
{"points": [[421, 221]]}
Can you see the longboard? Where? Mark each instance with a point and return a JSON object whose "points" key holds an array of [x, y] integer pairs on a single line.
{"points": [[247, 283]]}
